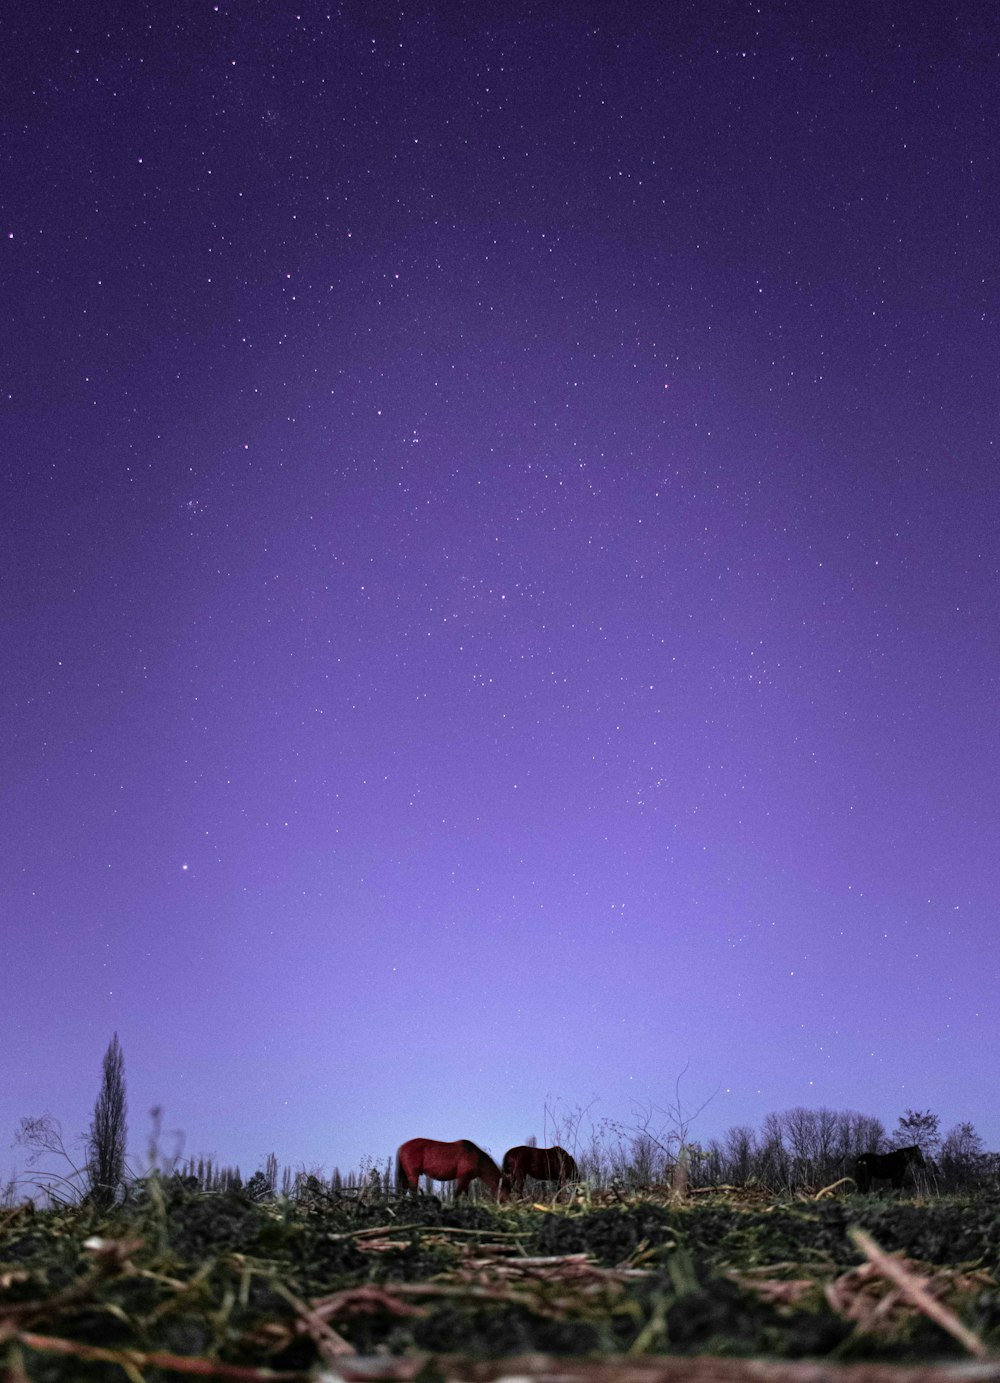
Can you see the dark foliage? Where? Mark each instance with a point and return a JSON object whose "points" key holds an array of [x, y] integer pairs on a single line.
{"points": [[611, 1235], [197, 1225], [502, 1330]]}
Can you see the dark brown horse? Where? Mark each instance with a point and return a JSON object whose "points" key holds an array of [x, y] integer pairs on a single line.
{"points": [[544, 1164], [460, 1161]]}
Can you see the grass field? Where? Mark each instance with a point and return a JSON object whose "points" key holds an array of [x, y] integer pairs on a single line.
{"points": [[179, 1284]]}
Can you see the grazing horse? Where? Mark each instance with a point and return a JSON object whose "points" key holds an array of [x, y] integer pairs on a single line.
{"points": [[886, 1167], [460, 1161], [544, 1164]]}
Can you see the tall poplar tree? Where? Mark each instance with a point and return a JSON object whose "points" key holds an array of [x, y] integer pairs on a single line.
{"points": [[108, 1130]]}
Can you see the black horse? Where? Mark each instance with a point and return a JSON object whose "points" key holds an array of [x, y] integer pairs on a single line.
{"points": [[886, 1167]]}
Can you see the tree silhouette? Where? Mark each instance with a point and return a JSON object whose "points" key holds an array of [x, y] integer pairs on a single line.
{"points": [[108, 1130]]}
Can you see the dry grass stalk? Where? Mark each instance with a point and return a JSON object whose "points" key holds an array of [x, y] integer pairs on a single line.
{"points": [[381, 1245], [131, 1360], [553, 1285], [108, 1265], [363, 1301], [834, 1186], [14, 1372], [456, 1230], [866, 1296], [329, 1344], [777, 1291], [25, 1211], [914, 1289], [679, 1180]]}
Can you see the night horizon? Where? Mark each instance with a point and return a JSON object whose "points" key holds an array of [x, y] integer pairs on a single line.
{"points": [[501, 574]]}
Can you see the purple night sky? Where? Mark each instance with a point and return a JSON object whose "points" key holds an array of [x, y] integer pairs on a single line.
{"points": [[500, 576]]}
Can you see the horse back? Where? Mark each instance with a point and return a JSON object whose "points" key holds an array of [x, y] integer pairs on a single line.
{"points": [[513, 1158], [544, 1164]]}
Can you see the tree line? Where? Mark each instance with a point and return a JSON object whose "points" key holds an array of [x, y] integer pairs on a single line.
{"points": [[816, 1147], [793, 1149]]}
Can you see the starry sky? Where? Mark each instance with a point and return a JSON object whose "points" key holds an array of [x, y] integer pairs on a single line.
{"points": [[500, 565]]}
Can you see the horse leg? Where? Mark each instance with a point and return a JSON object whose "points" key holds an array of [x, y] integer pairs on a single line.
{"points": [[463, 1183]]}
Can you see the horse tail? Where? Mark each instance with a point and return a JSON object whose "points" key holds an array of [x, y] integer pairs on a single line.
{"points": [[400, 1186]]}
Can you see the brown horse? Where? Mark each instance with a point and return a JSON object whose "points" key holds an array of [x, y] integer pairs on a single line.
{"points": [[460, 1161], [544, 1164]]}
